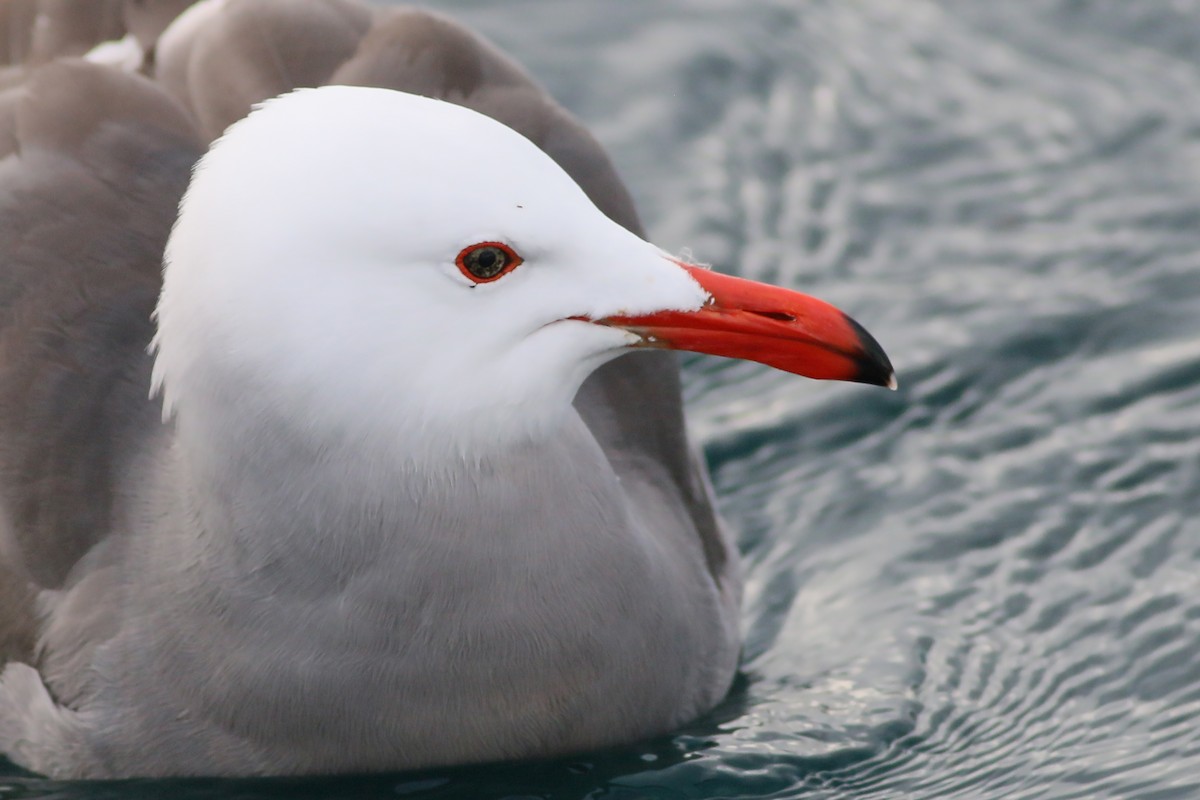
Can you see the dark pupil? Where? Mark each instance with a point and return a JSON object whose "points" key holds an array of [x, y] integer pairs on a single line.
{"points": [[486, 262]]}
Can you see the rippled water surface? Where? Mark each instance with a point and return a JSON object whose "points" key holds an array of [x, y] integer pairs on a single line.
{"points": [[988, 584]]}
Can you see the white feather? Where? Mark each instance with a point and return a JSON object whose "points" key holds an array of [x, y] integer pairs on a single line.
{"points": [[312, 269]]}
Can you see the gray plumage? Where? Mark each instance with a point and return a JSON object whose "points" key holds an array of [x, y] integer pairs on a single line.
{"points": [[367, 619]]}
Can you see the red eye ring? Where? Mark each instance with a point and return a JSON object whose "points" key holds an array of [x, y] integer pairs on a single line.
{"points": [[485, 262]]}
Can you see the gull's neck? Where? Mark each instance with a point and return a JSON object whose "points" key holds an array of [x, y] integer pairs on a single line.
{"points": [[320, 493]]}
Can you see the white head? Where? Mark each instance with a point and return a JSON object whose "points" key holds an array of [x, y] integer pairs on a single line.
{"points": [[314, 274], [314, 262]]}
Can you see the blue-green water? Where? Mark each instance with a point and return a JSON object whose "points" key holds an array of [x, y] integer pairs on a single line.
{"points": [[988, 584]]}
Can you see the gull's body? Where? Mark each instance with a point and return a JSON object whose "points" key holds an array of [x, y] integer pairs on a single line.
{"points": [[372, 515]]}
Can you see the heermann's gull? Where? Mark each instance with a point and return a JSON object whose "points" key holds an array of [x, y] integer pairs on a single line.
{"points": [[365, 528]]}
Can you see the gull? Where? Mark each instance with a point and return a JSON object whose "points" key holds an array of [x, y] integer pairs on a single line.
{"points": [[367, 477]]}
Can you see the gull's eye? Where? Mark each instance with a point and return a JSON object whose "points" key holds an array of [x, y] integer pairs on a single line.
{"points": [[487, 261]]}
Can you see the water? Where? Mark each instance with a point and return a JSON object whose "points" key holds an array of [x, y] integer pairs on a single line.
{"points": [[988, 584]]}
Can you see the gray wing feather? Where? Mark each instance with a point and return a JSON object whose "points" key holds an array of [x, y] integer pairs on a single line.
{"points": [[96, 166]]}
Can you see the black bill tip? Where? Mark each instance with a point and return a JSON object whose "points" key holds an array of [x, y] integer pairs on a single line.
{"points": [[874, 367]]}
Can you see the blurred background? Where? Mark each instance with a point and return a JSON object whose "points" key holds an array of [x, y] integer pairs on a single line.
{"points": [[986, 585]]}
